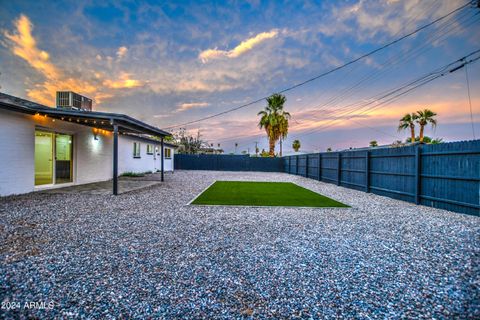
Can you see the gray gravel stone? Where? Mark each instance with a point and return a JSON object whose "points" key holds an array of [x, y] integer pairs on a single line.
{"points": [[147, 254]]}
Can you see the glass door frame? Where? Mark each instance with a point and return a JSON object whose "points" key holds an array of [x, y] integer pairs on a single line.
{"points": [[56, 134], [54, 153]]}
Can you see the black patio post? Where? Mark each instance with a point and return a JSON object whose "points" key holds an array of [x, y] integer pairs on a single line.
{"points": [[161, 160], [115, 159]]}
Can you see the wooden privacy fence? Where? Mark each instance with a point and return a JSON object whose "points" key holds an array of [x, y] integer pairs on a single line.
{"points": [[225, 162], [445, 176]]}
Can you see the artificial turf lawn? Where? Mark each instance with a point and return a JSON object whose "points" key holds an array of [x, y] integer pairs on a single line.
{"points": [[282, 194]]}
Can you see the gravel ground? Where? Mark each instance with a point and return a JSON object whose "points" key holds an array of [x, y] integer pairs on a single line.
{"points": [[147, 254]]}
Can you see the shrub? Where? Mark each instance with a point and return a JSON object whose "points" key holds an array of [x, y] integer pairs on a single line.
{"points": [[132, 174]]}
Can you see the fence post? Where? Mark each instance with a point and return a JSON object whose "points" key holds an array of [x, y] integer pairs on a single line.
{"points": [[319, 167], [296, 165], [418, 173], [367, 172], [306, 167], [339, 169]]}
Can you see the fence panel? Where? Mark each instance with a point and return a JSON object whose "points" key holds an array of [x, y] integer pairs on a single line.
{"points": [[445, 176], [227, 163], [451, 172], [313, 169], [353, 166], [392, 172]]}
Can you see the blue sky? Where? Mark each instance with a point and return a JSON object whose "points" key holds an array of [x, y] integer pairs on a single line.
{"points": [[175, 62]]}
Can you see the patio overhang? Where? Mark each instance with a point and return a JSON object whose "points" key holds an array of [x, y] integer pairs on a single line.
{"points": [[113, 122]]}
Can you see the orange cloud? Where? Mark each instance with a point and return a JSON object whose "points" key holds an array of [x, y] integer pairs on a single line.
{"points": [[121, 52], [448, 111], [192, 105], [123, 82], [242, 48], [23, 44]]}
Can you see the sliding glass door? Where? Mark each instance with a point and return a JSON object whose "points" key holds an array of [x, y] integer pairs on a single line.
{"points": [[43, 158], [63, 158], [53, 158]]}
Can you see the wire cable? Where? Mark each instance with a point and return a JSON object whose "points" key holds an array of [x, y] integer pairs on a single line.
{"points": [[470, 102], [327, 72]]}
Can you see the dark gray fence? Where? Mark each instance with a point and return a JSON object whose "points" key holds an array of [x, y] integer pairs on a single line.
{"points": [[444, 176], [227, 163]]}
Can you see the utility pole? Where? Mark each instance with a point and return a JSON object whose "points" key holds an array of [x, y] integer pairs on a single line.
{"points": [[256, 149]]}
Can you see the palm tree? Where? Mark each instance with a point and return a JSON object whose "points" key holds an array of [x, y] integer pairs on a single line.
{"points": [[274, 120], [408, 121], [296, 145], [425, 117], [236, 145]]}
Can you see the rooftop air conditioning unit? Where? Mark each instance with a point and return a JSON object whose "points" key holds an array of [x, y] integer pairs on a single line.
{"points": [[72, 100]]}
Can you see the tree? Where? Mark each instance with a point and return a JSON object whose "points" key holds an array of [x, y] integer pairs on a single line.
{"points": [[296, 145], [427, 139], [329, 149], [373, 143], [398, 143], [425, 117], [408, 122], [274, 120], [188, 144], [264, 154], [437, 141]]}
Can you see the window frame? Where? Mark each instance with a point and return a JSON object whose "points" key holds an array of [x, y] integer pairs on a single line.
{"points": [[149, 149], [135, 154], [169, 156]]}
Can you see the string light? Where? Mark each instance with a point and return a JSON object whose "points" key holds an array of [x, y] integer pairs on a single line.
{"points": [[70, 119], [78, 120]]}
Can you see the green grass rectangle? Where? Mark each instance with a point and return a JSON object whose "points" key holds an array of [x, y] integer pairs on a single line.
{"points": [[246, 193]]}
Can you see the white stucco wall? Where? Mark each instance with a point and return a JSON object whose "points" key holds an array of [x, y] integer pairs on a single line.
{"points": [[126, 161], [17, 138], [146, 162], [92, 159]]}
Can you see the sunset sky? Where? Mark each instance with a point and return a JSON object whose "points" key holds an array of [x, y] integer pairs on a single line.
{"points": [[175, 62]]}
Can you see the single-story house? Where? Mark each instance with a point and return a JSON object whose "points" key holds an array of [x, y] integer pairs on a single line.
{"points": [[43, 147]]}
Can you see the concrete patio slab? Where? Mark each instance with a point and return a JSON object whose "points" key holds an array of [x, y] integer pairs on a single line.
{"points": [[125, 184]]}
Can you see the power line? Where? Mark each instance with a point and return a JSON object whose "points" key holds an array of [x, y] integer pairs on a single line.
{"points": [[416, 84], [327, 72], [440, 34], [348, 92], [470, 102]]}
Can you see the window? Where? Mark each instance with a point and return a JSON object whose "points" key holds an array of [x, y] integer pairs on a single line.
{"points": [[149, 149], [136, 150], [168, 153]]}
